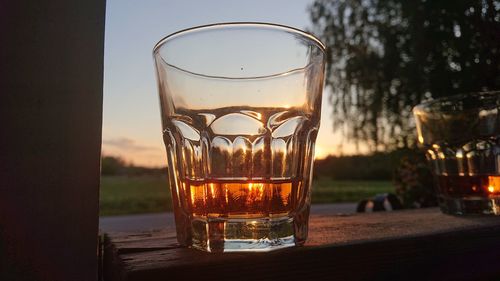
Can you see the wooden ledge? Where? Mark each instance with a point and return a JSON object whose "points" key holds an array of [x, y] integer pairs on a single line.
{"points": [[412, 245]]}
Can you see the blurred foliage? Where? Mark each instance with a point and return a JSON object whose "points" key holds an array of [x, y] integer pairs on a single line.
{"points": [[385, 56], [377, 166], [413, 181], [113, 166]]}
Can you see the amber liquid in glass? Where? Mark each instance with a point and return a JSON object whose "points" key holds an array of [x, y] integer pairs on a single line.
{"points": [[466, 194], [464, 186], [245, 199], [240, 177]]}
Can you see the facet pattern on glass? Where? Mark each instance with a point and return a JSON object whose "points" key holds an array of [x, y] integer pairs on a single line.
{"points": [[461, 138], [240, 148], [246, 164]]}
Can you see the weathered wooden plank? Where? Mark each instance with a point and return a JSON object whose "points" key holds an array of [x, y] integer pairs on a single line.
{"points": [[51, 85], [416, 244]]}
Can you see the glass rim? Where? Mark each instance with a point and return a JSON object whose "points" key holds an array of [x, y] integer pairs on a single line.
{"points": [[274, 26], [426, 106]]}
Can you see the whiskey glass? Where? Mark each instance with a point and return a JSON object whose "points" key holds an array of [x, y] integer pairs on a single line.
{"points": [[461, 138], [240, 109]]}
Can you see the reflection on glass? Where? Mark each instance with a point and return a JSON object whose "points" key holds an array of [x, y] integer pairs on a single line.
{"points": [[240, 109], [461, 137]]}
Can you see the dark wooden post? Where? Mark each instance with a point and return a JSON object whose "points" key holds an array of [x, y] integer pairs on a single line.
{"points": [[51, 74]]}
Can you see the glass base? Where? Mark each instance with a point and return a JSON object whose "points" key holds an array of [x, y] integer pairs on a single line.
{"points": [[470, 205], [246, 235]]}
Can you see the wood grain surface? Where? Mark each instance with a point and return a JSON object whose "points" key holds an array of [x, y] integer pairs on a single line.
{"points": [[410, 245]]}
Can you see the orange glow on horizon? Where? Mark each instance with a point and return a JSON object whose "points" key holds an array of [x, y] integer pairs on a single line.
{"points": [[320, 152]]}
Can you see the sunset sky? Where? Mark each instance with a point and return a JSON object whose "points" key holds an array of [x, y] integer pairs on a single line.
{"points": [[131, 121]]}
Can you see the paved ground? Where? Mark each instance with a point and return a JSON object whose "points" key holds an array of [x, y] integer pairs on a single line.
{"points": [[144, 222]]}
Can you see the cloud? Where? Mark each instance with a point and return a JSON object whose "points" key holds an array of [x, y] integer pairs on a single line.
{"points": [[127, 144]]}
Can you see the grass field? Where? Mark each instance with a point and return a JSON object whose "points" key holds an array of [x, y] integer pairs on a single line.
{"points": [[148, 194]]}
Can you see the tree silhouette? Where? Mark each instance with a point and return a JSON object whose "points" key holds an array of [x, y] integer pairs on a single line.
{"points": [[111, 165], [385, 56]]}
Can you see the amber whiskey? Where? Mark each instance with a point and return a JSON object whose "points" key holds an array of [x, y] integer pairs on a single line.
{"points": [[467, 186], [245, 199]]}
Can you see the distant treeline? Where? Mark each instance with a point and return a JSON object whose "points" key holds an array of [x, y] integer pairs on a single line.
{"points": [[377, 166], [116, 166]]}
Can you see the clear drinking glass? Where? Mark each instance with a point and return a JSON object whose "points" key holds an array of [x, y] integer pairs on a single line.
{"points": [[240, 107], [461, 136]]}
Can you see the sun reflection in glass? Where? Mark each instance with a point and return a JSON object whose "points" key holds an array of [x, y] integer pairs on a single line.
{"points": [[493, 184]]}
